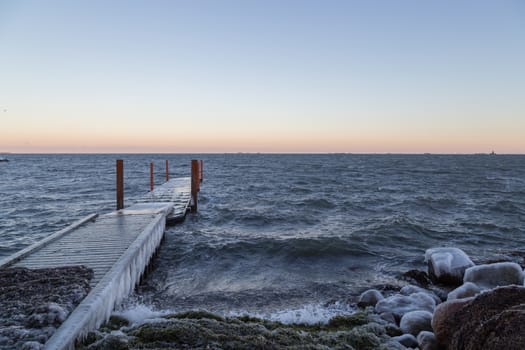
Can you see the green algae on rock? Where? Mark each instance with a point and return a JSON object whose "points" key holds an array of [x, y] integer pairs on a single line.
{"points": [[203, 330]]}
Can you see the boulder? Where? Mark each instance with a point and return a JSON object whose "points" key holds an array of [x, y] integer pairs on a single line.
{"points": [[369, 298], [467, 290], [411, 289], [489, 276], [493, 320], [447, 265], [503, 331], [388, 317], [427, 341], [398, 304], [414, 322], [407, 340], [441, 317]]}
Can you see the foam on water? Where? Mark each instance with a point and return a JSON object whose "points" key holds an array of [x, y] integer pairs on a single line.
{"points": [[307, 314], [138, 314]]}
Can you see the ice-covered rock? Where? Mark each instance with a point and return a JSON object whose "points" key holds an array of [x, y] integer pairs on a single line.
{"points": [[414, 322], [489, 276], [47, 314], [427, 341], [407, 340], [369, 298], [447, 265], [388, 316], [466, 290], [411, 289], [399, 304], [32, 345]]}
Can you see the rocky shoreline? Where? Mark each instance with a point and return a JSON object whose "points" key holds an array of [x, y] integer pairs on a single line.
{"points": [[454, 305], [35, 302], [457, 305]]}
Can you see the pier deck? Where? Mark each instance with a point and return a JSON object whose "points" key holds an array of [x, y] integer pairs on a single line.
{"points": [[117, 246]]}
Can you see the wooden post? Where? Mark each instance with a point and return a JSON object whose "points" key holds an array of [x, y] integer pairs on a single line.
{"points": [[194, 183], [201, 173], [167, 172], [120, 184], [151, 180]]}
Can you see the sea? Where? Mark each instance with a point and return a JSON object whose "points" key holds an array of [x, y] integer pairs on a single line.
{"points": [[289, 237]]}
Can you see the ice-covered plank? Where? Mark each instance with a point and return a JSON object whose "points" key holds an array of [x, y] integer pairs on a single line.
{"points": [[145, 208], [39, 245]]}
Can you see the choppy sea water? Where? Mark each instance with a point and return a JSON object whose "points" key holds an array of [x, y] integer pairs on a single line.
{"points": [[288, 237]]}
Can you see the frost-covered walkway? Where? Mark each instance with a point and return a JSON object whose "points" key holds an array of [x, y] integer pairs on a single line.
{"points": [[117, 246]]}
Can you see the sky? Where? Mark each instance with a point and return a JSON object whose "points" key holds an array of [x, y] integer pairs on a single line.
{"points": [[262, 76]]}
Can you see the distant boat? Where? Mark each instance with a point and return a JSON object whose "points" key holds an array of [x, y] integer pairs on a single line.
{"points": [[4, 160], [492, 153]]}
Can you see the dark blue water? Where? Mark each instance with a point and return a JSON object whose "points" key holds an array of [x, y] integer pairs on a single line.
{"points": [[276, 233]]}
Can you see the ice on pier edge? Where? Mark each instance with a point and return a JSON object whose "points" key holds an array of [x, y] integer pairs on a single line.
{"points": [[112, 289]]}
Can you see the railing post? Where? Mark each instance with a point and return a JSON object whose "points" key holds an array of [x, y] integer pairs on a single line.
{"points": [[120, 184], [151, 180], [167, 172], [201, 172], [194, 183]]}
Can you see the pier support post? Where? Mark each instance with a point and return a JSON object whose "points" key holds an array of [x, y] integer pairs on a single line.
{"points": [[201, 171], [194, 183], [151, 180], [120, 184], [167, 172]]}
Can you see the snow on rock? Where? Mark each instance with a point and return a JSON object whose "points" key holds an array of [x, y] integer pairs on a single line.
{"points": [[414, 322], [35, 302], [407, 340], [447, 265], [489, 276], [47, 314], [411, 289], [369, 298], [399, 305], [427, 341], [32, 345], [388, 317], [466, 290]]}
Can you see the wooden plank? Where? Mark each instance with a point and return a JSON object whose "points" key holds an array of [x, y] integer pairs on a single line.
{"points": [[31, 249]]}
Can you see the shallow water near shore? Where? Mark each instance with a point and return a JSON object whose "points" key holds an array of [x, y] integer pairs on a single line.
{"points": [[286, 237]]}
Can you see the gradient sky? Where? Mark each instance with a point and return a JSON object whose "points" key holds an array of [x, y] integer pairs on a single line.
{"points": [[262, 76]]}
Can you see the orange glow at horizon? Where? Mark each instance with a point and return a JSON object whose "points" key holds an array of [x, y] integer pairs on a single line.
{"points": [[124, 132], [207, 141]]}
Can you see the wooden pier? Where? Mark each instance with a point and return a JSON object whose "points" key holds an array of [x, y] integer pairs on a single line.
{"points": [[117, 246]]}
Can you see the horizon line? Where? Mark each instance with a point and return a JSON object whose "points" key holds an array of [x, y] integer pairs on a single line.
{"points": [[269, 153]]}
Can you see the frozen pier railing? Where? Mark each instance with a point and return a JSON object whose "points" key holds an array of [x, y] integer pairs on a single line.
{"points": [[117, 246]]}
